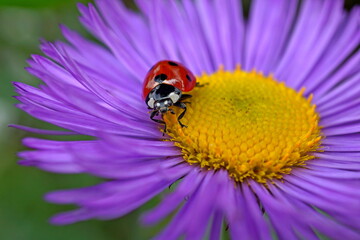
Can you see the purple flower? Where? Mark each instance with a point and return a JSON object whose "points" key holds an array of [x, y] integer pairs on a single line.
{"points": [[299, 180]]}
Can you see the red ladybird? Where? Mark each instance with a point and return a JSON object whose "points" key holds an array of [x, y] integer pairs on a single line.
{"points": [[164, 85]]}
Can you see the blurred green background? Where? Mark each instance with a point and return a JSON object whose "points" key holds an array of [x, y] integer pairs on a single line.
{"points": [[23, 212]]}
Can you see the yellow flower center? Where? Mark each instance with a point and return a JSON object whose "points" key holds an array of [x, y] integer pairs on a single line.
{"points": [[246, 123]]}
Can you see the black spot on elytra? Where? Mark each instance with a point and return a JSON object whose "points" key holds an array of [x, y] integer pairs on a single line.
{"points": [[160, 78], [188, 77], [172, 63]]}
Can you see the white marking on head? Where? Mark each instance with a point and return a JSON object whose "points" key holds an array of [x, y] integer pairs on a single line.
{"points": [[151, 102], [174, 97]]}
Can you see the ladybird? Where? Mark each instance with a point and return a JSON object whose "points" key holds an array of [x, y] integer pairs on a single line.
{"points": [[163, 87]]}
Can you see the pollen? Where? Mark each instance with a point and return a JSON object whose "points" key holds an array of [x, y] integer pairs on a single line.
{"points": [[247, 123]]}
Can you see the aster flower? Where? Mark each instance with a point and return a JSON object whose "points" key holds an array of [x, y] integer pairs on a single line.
{"points": [[272, 143]]}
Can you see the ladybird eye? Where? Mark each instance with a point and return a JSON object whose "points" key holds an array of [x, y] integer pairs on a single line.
{"points": [[172, 63], [160, 78], [188, 77]]}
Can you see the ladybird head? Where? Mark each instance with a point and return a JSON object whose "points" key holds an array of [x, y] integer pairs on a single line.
{"points": [[163, 105], [162, 97]]}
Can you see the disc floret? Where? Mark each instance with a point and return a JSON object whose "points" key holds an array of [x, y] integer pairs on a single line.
{"points": [[249, 124]]}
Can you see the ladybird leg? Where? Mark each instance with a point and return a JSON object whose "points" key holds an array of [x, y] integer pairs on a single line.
{"points": [[183, 106], [156, 113], [185, 96], [153, 114], [201, 85]]}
